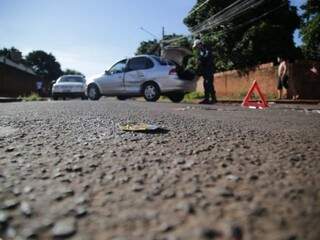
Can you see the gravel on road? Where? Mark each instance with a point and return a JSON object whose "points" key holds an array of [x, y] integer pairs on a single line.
{"points": [[218, 172]]}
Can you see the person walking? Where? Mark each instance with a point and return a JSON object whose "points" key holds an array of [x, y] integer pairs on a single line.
{"points": [[206, 69], [283, 77]]}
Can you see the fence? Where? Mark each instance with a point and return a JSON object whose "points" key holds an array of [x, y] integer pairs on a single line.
{"points": [[304, 81]]}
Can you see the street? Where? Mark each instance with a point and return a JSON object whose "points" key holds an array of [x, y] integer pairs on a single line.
{"points": [[213, 172]]}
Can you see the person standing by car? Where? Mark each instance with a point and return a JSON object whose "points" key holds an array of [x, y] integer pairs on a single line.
{"points": [[206, 69]]}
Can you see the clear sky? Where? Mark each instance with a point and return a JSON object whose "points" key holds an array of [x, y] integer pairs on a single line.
{"points": [[89, 36]]}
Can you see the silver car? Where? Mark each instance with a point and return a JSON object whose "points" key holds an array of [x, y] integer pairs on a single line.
{"points": [[144, 75], [71, 86]]}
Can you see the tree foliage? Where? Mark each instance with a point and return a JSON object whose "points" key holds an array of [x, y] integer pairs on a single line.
{"points": [[71, 72], [44, 65], [310, 29], [150, 47], [153, 47], [12, 53], [247, 40]]}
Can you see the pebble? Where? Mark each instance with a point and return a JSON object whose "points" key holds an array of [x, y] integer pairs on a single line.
{"points": [[80, 200], [233, 178], [64, 228], [179, 162], [63, 192], [4, 217], [10, 149], [185, 207], [207, 233], [27, 189], [165, 227], [81, 211], [254, 178], [137, 188], [10, 204], [224, 192], [26, 209]]}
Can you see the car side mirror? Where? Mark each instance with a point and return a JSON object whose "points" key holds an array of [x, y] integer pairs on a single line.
{"points": [[107, 72], [53, 82]]}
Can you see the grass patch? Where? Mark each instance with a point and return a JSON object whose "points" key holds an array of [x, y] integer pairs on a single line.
{"points": [[31, 98], [193, 96]]}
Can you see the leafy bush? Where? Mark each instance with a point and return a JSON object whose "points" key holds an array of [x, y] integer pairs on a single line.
{"points": [[193, 96], [31, 98]]}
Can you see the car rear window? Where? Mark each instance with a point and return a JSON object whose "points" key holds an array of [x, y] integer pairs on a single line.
{"points": [[72, 79], [163, 61], [139, 63]]}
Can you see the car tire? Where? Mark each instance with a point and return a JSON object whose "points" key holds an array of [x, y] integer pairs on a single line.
{"points": [[93, 92], [55, 98], [122, 98], [151, 92], [84, 98], [176, 97]]}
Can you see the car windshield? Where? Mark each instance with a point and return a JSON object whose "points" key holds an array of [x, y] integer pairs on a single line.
{"points": [[163, 61], [72, 79], [118, 67]]}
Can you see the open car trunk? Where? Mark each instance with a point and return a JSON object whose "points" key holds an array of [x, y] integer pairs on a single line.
{"points": [[179, 56]]}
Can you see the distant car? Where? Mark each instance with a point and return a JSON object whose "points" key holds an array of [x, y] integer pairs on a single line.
{"points": [[69, 86], [144, 75]]}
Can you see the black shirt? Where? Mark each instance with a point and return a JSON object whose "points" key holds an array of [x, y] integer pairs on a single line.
{"points": [[206, 61]]}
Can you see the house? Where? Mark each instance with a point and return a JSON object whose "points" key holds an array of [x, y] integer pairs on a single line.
{"points": [[16, 79]]}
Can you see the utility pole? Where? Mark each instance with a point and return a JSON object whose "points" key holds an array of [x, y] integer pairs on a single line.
{"points": [[161, 42], [163, 33]]}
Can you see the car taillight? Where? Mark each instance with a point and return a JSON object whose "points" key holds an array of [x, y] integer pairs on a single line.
{"points": [[173, 71]]}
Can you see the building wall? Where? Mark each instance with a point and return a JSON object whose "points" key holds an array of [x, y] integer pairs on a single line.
{"points": [[14, 82], [235, 84]]}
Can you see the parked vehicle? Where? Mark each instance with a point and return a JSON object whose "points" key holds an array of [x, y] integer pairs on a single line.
{"points": [[144, 75], [71, 86]]}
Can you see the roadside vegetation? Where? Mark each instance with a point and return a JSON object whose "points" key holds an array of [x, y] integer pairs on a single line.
{"points": [[31, 98]]}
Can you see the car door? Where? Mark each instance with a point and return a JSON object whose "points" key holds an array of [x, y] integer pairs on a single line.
{"points": [[137, 73], [113, 80]]}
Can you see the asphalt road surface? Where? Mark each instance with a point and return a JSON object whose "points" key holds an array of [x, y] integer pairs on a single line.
{"points": [[213, 172]]}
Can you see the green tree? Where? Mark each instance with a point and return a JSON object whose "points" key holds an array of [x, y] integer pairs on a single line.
{"points": [[45, 65], [12, 53], [153, 47], [150, 47], [310, 29], [249, 39], [71, 72]]}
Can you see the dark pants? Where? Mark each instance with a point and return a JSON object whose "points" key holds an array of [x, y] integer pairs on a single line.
{"points": [[209, 91]]}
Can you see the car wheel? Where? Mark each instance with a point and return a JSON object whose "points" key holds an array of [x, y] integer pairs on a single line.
{"points": [[122, 98], [177, 97], [84, 98], [93, 93], [151, 92], [55, 98]]}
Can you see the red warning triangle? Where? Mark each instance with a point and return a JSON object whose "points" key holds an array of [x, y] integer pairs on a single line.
{"points": [[250, 103]]}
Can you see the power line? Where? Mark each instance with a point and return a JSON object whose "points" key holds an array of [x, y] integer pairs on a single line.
{"points": [[198, 8], [150, 33], [235, 27], [224, 16]]}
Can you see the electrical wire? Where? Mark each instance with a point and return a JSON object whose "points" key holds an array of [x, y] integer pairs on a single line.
{"points": [[198, 8], [221, 32], [225, 16]]}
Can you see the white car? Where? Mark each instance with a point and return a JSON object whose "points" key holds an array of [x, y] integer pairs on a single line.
{"points": [[144, 75], [71, 86]]}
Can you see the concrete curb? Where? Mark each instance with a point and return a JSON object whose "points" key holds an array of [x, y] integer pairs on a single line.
{"points": [[9, 100], [311, 102]]}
